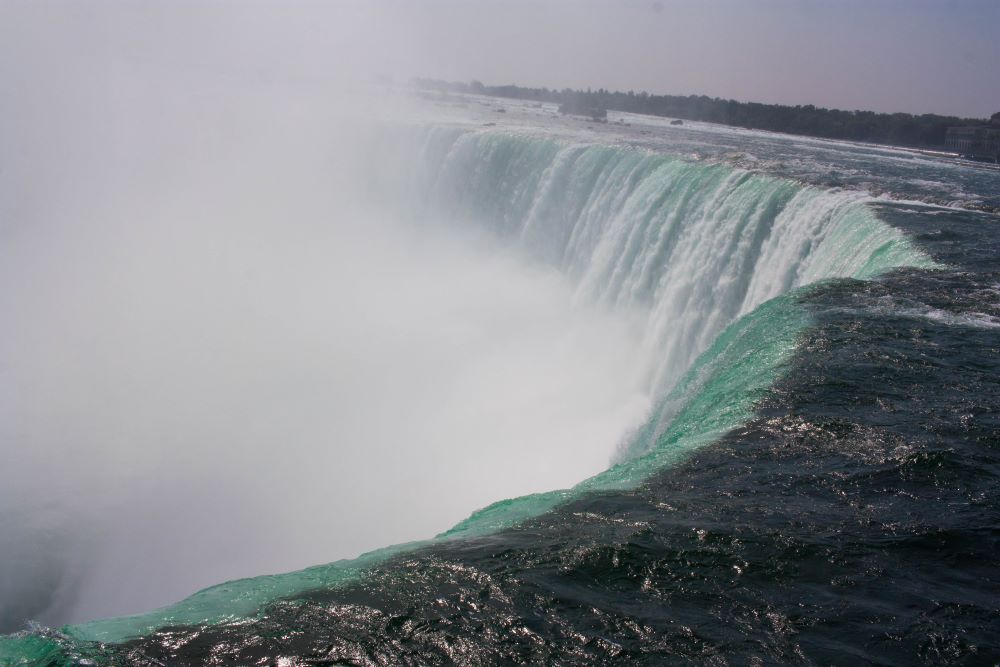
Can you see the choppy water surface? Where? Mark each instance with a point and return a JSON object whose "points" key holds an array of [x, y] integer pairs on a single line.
{"points": [[816, 483]]}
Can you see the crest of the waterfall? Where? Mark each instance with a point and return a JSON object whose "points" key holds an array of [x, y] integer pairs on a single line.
{"points": [[703, 258]]}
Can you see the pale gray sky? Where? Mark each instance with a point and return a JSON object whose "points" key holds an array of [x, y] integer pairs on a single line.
{"points": [[940, 56], [886, 55]]}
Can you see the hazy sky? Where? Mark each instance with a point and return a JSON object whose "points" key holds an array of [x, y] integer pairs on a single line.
{"points": [[886, 55], [940, 56]]}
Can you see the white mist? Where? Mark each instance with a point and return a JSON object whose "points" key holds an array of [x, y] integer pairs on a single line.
{"points": [[218, 363]]}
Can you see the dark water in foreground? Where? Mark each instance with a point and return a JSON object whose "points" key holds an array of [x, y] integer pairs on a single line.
{"points": [[853, 519]]}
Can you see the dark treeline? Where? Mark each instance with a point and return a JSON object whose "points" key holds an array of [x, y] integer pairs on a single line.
{"points": [[898, 129]]}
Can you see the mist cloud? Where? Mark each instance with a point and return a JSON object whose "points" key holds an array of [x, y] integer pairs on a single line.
{"points": [[220, 359]]}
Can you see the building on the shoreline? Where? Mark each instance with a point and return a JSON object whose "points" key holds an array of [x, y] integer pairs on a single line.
{"points": [[980, 142]]}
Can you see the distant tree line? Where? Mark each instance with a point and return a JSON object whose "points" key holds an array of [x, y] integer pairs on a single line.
{"points": [[898, 129]]}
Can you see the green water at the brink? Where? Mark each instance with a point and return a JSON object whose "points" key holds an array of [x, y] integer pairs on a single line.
{"points": [[620, 221]]}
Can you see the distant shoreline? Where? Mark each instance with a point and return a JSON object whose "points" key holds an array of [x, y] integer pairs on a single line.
{"points": [[903, 130]]}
